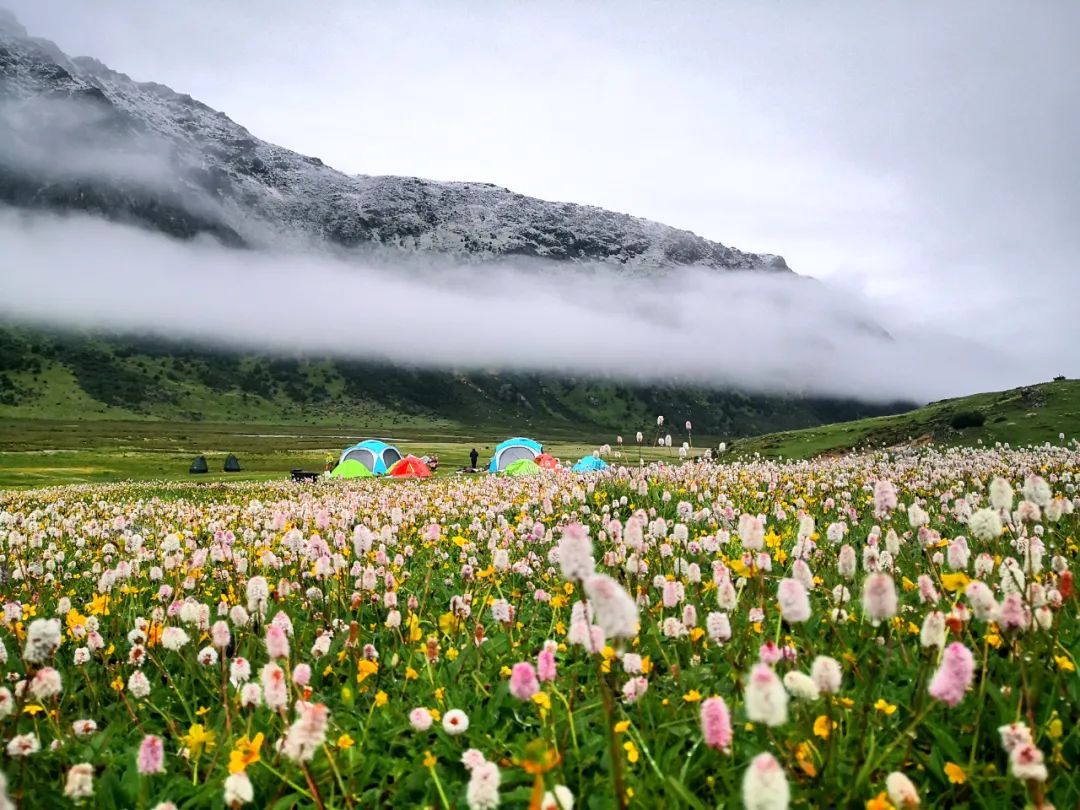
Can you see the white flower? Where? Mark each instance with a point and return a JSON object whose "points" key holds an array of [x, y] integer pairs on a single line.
{"points": [[23, 745], [138, 684], [173, 638], [801, 686], [455, 722], [764, 786], [482, 792], [558, 798], [84, 728], [902, 792], [42, 640], [827, 674], [615, 610], [766, 699], [80, 781], [238, 790]]}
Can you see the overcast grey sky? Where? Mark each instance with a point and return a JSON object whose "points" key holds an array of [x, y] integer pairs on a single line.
{"points": [[921, 152]]}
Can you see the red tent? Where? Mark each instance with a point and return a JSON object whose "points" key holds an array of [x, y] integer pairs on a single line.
{"points": [[546, 461], [410, 467]]}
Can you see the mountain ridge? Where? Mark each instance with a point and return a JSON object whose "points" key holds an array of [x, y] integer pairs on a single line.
{"points": [[212, 176]]}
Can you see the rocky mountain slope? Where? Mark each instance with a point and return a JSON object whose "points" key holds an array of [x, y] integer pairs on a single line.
{"points": [[76, 135]]}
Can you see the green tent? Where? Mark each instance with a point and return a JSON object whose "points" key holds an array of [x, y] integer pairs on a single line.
{"points": [[351, 468], [522, 467]]}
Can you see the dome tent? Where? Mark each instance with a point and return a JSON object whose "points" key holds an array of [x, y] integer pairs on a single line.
{"points": [[232, 464], [377, 456], [410, 467], [522, 466], [351, 468], [546, 461], [199, 465], [589, 464], [513, 450]]}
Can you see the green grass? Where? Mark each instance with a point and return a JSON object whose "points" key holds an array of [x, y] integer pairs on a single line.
{"points": [[38, 452], [1021, 416]]}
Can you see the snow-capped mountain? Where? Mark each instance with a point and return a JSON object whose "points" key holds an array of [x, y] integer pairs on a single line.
{"points": [[78, 136]]}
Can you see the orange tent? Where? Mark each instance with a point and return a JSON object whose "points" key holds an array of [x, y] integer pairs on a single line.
{"points": [[546, 461], [410, 467]]}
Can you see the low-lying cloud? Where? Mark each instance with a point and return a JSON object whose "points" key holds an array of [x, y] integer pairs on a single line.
{"points": [[759, 332]]}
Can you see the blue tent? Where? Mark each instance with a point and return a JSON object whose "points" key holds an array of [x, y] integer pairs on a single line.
{"points": [[513, 450], [589, 464], [375, 455]]}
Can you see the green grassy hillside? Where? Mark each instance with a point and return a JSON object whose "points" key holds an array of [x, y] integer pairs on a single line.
{"points": [[103, 378], [1021, 416]]}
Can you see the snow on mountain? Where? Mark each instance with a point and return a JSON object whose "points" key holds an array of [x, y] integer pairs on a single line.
{"points": [[76, 135]]}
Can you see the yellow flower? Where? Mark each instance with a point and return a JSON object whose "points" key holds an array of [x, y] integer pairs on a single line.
{"points": [[449, 623], [885, 707], [429, 759], [345, 742], [1054, 729], [823, 726], [364, 669], [197, 739], [908, 585], [32, 709], [542, 699], [381, 698], [75, 619], [646, 665], [693, 696], [245, 752], [118, 684], [622, 726], [631, 751], [452, 654], [954, 582], [440, 693], [880, 802], [199, 712], [696, 633], [1064, 664], [100, 605], [505, 671], [955, 773], [411, 674]]}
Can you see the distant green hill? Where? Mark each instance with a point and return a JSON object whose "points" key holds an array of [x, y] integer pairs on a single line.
{"points": [[45, 375], [1021, 416]]}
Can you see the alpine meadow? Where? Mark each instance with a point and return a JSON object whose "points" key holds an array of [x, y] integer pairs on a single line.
{"points": [[416, 474]]}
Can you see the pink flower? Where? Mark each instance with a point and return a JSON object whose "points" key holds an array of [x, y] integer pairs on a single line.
{"points": [[307, 733], [301, 674], [879, 597], [277, 643], [151, 757], [716, 724], [420, 719], [769, 653], [794, 602], [275, 691], [471, 758], [220, 635], [954, 676], [523, 683], [545, 666]]}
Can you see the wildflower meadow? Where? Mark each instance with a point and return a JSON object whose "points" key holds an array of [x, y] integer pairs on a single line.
{"points": [[881, 630]]}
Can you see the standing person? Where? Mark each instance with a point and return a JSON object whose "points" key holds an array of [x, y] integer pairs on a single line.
{"points": [[473, 458]]}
